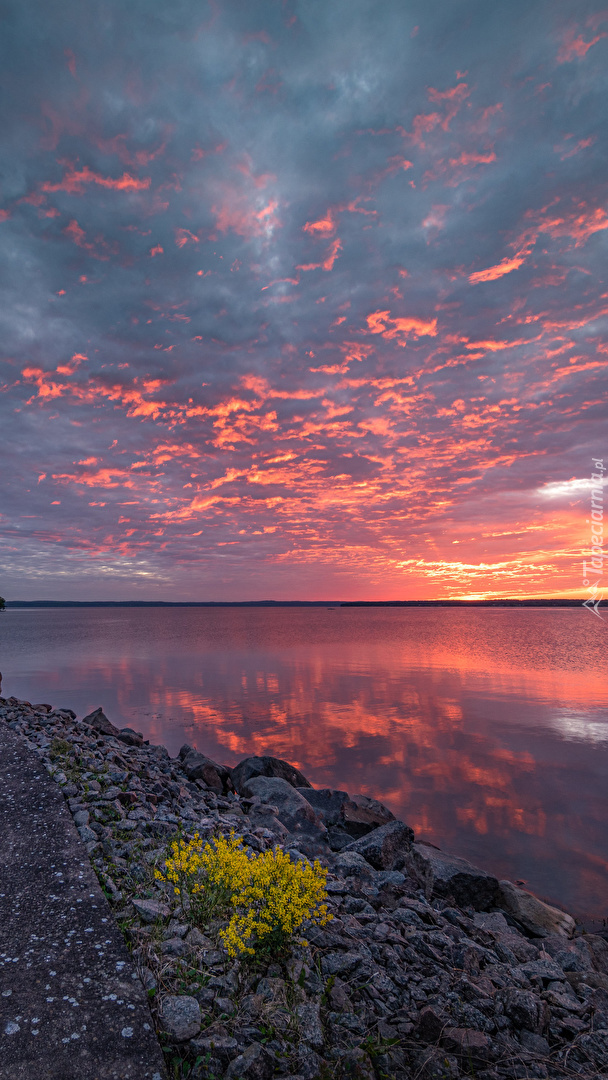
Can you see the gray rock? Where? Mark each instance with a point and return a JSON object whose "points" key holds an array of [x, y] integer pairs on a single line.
{"points": [[200, 767], [546, 969], [309, 1020], [266, 766], [385, 848], [174, 946], [87, 835], [180, 1017], [150, 910], [449, 876], [467, 1042], [263, 816], [524, 1009], [130, 737], [572, 955], [328, 802], [534, 1044], [256, 1063], [99, 721], [222, 1046], [81, 817], [352, 864], [537, 918], [293, 810], [348, 817]]}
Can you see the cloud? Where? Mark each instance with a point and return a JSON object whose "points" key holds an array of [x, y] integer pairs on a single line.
{"points": [[298, 305]]}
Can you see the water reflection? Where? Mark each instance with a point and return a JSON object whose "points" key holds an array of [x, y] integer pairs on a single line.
{"points": [[485, 730]]}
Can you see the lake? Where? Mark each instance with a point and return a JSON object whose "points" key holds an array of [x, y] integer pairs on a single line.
{"points": [[486, 730]]}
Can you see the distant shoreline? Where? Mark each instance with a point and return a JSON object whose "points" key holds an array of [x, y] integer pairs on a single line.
{"points": [[548, 602]]}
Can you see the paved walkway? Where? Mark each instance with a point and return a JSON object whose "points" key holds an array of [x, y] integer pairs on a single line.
{"points": [[71, 1005]]}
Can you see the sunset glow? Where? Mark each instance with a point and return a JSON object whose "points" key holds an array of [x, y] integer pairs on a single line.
{"points": [[302, 302]]}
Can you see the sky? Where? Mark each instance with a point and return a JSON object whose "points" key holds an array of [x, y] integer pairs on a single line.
{"points": [[301, 300]]}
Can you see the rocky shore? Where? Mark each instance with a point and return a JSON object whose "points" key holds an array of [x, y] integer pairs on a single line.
{"points": [[430, 967]]}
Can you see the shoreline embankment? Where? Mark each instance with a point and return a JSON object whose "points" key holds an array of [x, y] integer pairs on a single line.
{"points": [[429, 967]]}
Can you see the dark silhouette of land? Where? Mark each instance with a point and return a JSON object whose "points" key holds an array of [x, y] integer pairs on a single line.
{"points": [[504, 602]]}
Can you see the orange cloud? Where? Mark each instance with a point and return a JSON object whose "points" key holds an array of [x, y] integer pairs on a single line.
{"points": [[507, 266], [575, 48], [328, 263], [324, 226], [377, 322], [75, 179], [184, 236]]}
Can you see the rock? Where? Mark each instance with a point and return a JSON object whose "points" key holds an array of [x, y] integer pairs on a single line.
{"points": [[99, 722], [267, 766], [449, 876], [358, 1065], [340, 963], [328, 803], [263, 816], [180, 1017], [199, 767], [352, 864], [546, 970], [174, 946], [434, 1064], [87, 835], [467, 1042], [198, 941], [293, 810], [533, 915], [81, 817], [150, 910], [349, 817], [594, 979], [534, 1044], [223, 1047], [574, 955], [256, 1063], [524, 1009], [130, 737], [362, 814], [430, 1024], [598, 947], [309, 1019], [385, 848]]}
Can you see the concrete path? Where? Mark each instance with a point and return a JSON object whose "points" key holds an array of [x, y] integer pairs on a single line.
{"points": [[71, 1005]]}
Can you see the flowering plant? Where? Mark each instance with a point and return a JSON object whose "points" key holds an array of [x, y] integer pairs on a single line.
{"points": [[270, 896]]}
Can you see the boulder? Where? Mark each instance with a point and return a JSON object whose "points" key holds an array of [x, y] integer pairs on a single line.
{"points": [[347, 816], [385, 848], [99, 722], [267, 766], [264, 816], [536, 918], [328, 803], [180, 1017], [130, 737], [352, 864], [449, 876], [292, 809], [200, 767]]}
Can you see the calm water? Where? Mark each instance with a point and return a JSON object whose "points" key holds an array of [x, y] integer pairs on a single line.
{"points": [[487, 731]]}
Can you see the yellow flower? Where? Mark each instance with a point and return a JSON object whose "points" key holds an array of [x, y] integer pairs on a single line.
{"points": [[268, 893]]}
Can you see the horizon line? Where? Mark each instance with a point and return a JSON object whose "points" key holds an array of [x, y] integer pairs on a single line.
{"points": [[441, 602]]}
